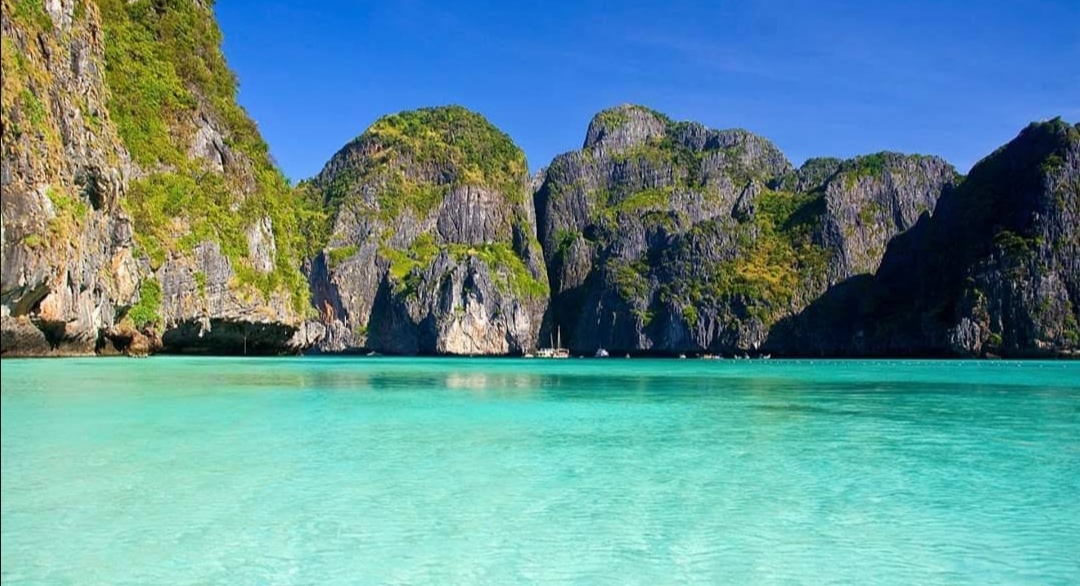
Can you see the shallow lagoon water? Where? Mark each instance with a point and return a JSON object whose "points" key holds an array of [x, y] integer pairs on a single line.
{"points": [[442, 471]]}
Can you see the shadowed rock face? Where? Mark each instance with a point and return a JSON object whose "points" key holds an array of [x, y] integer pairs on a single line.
{"points": [[433, 247], [872, 199], [669, 237], [993, 271]]}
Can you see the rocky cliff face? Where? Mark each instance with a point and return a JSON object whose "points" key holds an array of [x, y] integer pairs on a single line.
{"points": [[669, 237], [140, 212], [68, 259], [433, 247], [139, 204], [993, 271]]}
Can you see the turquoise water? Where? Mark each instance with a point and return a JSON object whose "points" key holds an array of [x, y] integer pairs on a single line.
{"points": [[427, 471]]}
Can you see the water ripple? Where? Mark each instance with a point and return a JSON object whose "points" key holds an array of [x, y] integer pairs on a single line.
{"points": [[337, 471]]}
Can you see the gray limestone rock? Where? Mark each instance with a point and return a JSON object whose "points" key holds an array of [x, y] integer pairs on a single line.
{"points": [[433, 248]]}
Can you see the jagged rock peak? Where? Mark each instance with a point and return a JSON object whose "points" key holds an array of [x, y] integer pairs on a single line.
{"points": [[630, 127], [625, 126]]}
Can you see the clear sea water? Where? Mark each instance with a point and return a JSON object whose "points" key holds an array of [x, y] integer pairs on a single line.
{"points": [[438, 471]]}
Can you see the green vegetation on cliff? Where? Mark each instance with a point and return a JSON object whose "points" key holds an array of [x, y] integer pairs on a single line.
{"points": [[168, 79], [773, 262], [163, 59], [511, 273], [396, 178], [147, 312], [417, 156], [777, 255], [25, 103]]}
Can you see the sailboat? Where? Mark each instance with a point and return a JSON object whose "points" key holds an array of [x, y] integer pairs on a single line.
{"points": [[556, 350]]}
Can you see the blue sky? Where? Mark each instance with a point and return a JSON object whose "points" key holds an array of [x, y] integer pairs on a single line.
{"points": [[951, 78]]}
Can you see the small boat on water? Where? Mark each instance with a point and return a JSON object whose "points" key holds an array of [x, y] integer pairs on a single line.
{"points": [[555, 351], [601, 353]]}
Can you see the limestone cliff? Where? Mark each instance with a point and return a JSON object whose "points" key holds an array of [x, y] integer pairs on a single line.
{"points": [[141, 212], [668, 236], [433, 246], [139, 203], [994, 271]]}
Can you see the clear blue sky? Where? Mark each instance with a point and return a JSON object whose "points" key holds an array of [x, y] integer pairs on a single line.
{"points": [[952, 78]]}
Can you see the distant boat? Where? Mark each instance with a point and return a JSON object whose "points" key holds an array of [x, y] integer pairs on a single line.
{"points": [[682, 356], [601, 353], [556, 350], [765, 356]]}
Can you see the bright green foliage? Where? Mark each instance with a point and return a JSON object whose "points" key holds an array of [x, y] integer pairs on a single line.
{"points": [[34, 240], [503, 261], [419, 256], [416, 157], [411, 161], [66, 204], [774, 265], [337, 256], [511, 272], [147, 312], [163, 65], [32, 11], [158, 55], [614, 117], [13, 64], [402, 263], [25, 85], [424, 248], [630, 278], [873, 166], [690, 315], [869, 165], [775, 260], [870, 212], [35, 111], [151, 104], [649, 199], [71, 211], [564, 239]]}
